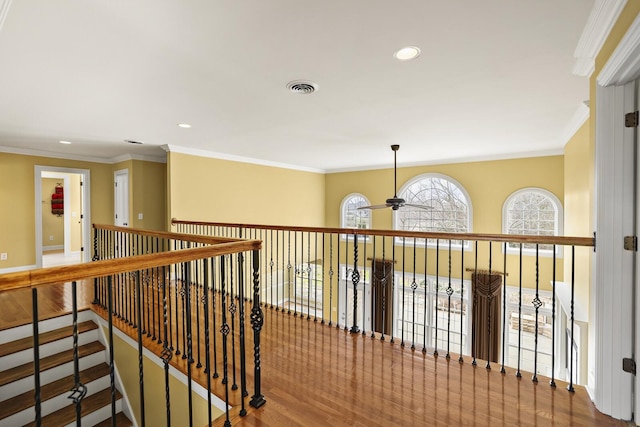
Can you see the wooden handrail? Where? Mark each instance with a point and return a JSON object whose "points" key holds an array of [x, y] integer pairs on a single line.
{"points": [[211, 240], [52, 275], [511, 238]]}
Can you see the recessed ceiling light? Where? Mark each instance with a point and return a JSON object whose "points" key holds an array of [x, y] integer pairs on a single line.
{"points": [[65, 142], [184, 125], [407, 53]]}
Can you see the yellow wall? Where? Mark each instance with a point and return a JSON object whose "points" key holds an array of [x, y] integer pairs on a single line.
{"points": [[148, 183], [220, 190], [488, 184], [52, 225], [578, 206], [17, 214], [126, 358]]}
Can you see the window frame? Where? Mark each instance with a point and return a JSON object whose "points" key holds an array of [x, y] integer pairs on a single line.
{"points": [[433, 245], [343, 212], [558, 226]]}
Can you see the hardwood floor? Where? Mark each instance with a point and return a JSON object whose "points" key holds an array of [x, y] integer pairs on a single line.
{"points": [[316, 375]]}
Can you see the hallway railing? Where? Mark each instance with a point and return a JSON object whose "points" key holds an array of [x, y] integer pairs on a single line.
{"points": [[187, 294], [504, 299]]}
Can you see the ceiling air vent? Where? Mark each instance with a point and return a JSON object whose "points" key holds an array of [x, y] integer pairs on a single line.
{"points": [[131, 141], [302, 86]]}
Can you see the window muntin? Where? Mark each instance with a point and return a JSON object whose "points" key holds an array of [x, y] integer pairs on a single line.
{"points": [[532, 212], [351, 216], [449, 203]]}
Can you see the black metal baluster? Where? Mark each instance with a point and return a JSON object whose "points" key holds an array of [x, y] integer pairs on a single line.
{"points": [[449, 293], [355, 279], [176, 308], [475, 307], [225, 332], [414, 286], [154, 277], [323, 277], [112, 379], [166, 351], [288, 272], [78, 391], [271, 263], [197, 302], [504, 306], [330, 278], [257, 320], [462, 309], [383, 285], [435, 351], [346, 282], [426, 297], [213, 308], [537, 304], [573, 283], [488, 365], [140, 349], [95, 257], [185, 294], [241, 321], [295, 275], [189, 344], [232, 311], [308, 275], [315, 279], [36, 357], [207, 354], [552, 382], [404, 287], [518, 373]]}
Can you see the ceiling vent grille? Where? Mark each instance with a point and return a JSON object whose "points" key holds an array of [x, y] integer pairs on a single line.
{"points": [[302, 87]]}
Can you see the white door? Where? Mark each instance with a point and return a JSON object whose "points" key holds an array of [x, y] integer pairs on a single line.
{"points": [[121, 198]]}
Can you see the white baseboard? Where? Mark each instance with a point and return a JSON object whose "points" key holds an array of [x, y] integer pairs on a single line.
{"points": [[52, 248]]}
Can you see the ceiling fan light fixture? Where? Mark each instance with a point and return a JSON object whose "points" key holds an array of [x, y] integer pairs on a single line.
{"points": [[407, 53]]}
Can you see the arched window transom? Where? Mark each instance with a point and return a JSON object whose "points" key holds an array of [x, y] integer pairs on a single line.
{"points": [[352, 217]]}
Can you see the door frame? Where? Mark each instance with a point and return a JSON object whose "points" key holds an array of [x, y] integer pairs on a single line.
{"points": [[116, 174], [614, 277], [39, 171]]}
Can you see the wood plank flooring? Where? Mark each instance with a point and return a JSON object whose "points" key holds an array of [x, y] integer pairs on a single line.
{"points": [[316, 375]]}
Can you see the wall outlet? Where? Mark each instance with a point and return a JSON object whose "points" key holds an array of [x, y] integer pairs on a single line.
{"points": [[140, 216], [50, 237], [3, 256]]}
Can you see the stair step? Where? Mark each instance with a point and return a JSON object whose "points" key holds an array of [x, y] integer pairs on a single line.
{"points": [[26, 370], [121, 421], [47, 337], [48, 391], [90, 404]]}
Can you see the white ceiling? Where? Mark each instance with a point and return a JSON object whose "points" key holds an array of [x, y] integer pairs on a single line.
{"points": [[494, 79]]}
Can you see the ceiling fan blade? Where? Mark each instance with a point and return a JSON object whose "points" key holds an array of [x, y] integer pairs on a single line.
{"points": [[411, 205], [375, 207]]}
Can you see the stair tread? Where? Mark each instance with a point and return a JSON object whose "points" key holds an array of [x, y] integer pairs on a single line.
{"points": [[23, 371], [45, 338], [67, 414], [51, 390], [121, 421]]}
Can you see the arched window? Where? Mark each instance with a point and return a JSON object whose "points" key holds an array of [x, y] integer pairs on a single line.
{"points": [[532, 212], [449, 205], [351, 216]]}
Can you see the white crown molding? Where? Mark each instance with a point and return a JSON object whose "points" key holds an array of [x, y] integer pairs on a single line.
{"points": [[125, 157], [223, 156], [624, 64], [452, 161], [4, 10], [603, 16], [579, 117]]}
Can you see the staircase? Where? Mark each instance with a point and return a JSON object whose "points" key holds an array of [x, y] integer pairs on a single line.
{"points": [[56, 375]]}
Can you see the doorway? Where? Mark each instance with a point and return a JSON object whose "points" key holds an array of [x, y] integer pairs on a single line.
{"points": [[62, 215], [121, 197]]}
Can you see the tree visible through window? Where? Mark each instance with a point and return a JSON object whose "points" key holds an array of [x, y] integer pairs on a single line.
{"points": [[449, 206], [532, 212], [352, 217]]}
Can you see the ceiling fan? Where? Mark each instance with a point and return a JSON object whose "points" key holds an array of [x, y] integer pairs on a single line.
{"points": [[395, 202]]}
